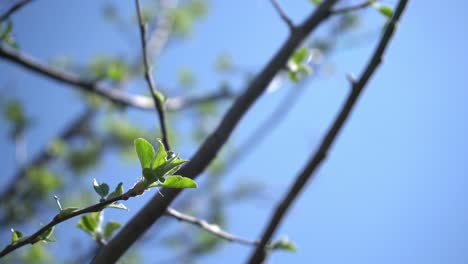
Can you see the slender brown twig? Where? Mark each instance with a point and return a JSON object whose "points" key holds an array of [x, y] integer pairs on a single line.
{"points": [[59, 218], [149, 78], [156, 207], [307, 173]]}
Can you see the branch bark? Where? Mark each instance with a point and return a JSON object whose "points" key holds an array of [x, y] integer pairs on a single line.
{"points": [[156, 207], [158, 102], [17, 6], [307, 173]]}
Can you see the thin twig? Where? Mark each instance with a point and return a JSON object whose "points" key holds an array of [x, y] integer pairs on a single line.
{"points": [[157, 206], [17, 6], [352, 8], [34, 238], [149, 78], [309, 170], [211, 228], [283, 15]]}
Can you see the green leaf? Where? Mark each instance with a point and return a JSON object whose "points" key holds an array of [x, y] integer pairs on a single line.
{"points": [[305, 69], [117, 192], [145, 152], [15, 235], [46, 235], [90, 223], [300, 55], [160, 156], [7, 31], [102, 189], [118, 205], [317, 2], [293, 76], [110, 228], [160, 96], [67, 211], [176, 181], [284, 244], [386, 11]]}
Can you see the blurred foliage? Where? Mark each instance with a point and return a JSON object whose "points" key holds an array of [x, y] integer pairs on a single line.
{"points": [[82, 151]]}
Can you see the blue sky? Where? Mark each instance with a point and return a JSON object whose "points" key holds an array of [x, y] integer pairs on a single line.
{"points": [[393, 189]]}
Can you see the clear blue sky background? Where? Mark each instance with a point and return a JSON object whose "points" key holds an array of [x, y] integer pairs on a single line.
{"points": [[393, 189]]}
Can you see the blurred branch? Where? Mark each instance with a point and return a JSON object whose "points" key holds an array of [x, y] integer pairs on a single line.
{"points": [[114, 95], [156, 207], [211, 228], [157, 100], [45, 156], [15, 7], [308, 171], [159, 37], [283, 15]]}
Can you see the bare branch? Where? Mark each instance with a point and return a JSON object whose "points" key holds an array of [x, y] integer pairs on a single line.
{"points": [[156, 207], [352, 8], [211, 228], [308, 172], [283, 15], [17, 6], [59, 218], [149, 78], [114, 95]]}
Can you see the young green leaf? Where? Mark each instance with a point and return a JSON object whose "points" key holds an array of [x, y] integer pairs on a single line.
{"points": [[117, 192], [67, 211], [145, 152], [300, 55], [90, 223], [284, 244], [110, 228], [317, 2], [46, 235], [176, 181], [102, 189], [15, 235], [160, 156], [386, 11]]}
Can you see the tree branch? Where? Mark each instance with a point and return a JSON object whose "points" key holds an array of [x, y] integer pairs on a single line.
{"points": [[158, 102], [211, 228], [17, 6], [59, 218], [321, 153], [283, 15], [114, 95], [156, 207]]}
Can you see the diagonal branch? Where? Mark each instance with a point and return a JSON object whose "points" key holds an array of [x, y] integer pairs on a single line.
{"points": [[156, 207], [112, 94], [283, 15], [211, 228], [59, 218], [17, 6], [158, 101], [321, 153]]}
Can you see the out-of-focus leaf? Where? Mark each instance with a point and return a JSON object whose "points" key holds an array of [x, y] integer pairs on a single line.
{"points": [[109, 229]]}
